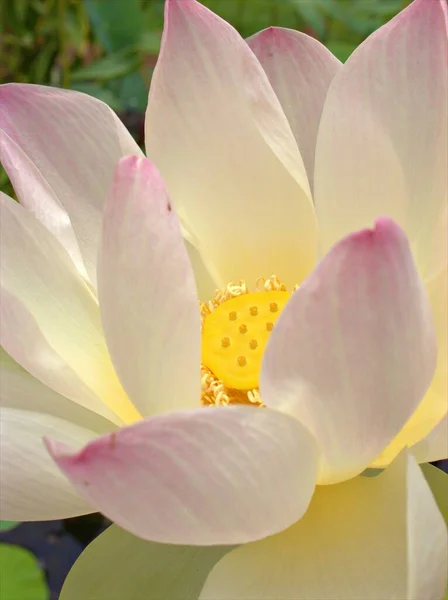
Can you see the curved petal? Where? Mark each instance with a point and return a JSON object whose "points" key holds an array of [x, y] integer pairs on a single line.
{"points": [[354, 350], [22, 337], [216, 131], [35, 193], [382, 143], [33, 488], [156, 346], [117, 565], [434, 405], [204, 282], [18, 389], [49, 314], [434, 446], [427, 541], [357, 541], [74, 141], [203, 477], [438, 482], [300, 70]]}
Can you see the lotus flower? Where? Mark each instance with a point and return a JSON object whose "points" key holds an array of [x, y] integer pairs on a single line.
{"points": [[272, 154]]}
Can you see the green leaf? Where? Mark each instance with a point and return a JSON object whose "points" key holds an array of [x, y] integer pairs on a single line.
{"points": [[109, 67], [150, 42], [103, 94], [7, 525], [341, 50], [116, 25], [120, 566], [41, 65], [354, 17], [20, 8], [311, 14], [438, 482], [133, 92], [21, 576], [386, 8]]}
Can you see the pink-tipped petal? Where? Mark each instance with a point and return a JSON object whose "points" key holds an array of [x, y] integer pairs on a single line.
{"points": [[354, 350], [32, 487], [300, 70], [202, 477], [73, 141], [382, 143], [50, 320], [217, 132], [148, 299]]}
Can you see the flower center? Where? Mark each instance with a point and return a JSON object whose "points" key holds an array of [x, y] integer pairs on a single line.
{"points": [[236, 326], [235, 335]]}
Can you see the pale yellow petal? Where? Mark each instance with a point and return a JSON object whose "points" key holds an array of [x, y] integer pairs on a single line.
{"points": [[434, 406], [120, 566], [364, 539], [434, 446], [216, 131], [50, 319]]}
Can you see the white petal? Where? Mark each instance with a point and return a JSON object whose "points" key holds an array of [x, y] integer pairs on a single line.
{"points": [[33, 488], [365, 539], [74, 142], [18, 389], [300, 70], [35, 193], [204, 281], [382, 143], [148, 299], [50, 320], [216, 131], [354, 350]]}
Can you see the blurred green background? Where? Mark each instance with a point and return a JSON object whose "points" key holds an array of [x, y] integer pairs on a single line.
{"points": [[108, 48]]}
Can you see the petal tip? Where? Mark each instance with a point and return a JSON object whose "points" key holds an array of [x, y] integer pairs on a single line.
{"points": [[180, 5], [67, 458], [57, 450], [278, 38], [128, 164], [130, 167], [268, 33], [384, 231]]}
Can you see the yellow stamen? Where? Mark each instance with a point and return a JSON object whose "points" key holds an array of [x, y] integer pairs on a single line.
{"points": [[225, 342], [242, 361]]}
